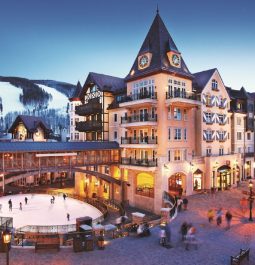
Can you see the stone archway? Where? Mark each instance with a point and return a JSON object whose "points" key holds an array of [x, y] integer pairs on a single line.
{"points": [[176, 183], [223, 177]]}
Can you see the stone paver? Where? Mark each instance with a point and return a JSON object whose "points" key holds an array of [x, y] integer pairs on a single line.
{"points": [[217, 244]]}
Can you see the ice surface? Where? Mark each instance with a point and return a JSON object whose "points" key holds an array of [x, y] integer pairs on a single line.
{"points": [[39, 210]]}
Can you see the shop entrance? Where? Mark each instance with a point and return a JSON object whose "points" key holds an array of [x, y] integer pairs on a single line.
{"points": [[175, 183], [223, 177]]}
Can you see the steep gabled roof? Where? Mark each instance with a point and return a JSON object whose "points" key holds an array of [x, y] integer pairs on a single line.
{"points": [[76, 91], [158, 42], [30, 122], [104, 83], [202, 78]]}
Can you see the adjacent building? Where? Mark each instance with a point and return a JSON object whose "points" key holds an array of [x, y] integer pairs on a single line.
{"points": [[176, 129]]}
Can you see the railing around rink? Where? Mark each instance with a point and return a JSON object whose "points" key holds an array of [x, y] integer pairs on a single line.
{"points": [[64, 229]]}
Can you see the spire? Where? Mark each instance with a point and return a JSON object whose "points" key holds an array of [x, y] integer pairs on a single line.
{"points": [[158, 42]]}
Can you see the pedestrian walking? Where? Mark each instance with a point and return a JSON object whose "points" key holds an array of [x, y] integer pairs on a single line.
{"points": [[168, 234], [184, 230], [228, 217], [20, 206], [162, 235], [190, 236], [185, 203], [26, 199], [179, 204], [64, 196], [210, 215], [219, 216], [68, 216]]}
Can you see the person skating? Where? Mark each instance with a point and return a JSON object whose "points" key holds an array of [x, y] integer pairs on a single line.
{"points": [[64, 196], [20, 206], [10, 205], [26, 199], [53, 199], [68, 217]]}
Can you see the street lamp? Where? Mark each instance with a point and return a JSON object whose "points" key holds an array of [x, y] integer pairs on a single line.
{"points": [[250, 199], [7, 239]]}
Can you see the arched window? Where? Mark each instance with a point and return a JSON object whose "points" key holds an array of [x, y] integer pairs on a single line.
{"points": [[214, 85]]}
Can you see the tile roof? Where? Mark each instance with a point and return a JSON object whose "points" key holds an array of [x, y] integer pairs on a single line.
{"points": [[55, 146], [158, 42], [106, 82], [201, 79], [31, 123]]}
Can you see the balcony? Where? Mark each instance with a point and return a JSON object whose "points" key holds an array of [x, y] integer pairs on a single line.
{"points": [[139, 140], [139, 162], [137, 100], [209, 121], [88, 109], [182, 98], [222, 122], [249, 154], [86, 126], [139, 118], [221, 140]]}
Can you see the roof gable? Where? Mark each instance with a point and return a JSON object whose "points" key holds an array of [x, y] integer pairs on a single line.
{"points": [[202, 78], [158, 42], [30, 122]]}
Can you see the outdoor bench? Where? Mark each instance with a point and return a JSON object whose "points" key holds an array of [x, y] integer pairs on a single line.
{"points": [[236, 260], [47, 243]]}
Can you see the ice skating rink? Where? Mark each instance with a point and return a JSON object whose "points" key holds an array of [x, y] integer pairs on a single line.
{"points": [[40, 211]]}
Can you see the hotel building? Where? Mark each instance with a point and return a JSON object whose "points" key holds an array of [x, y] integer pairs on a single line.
{"points": [[177, 131]]}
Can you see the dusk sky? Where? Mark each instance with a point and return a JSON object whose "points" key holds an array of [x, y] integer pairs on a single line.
{"points": [[66, 39]]}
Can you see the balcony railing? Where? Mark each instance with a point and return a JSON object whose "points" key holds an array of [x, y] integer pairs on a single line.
{"points": [[139, 162], [209, 121], [138, 118], [182, 94], [139, 140], [88, 109], [86, 126], [138, 96]]}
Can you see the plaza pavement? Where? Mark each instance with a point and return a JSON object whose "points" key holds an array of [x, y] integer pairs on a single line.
{"points": [[217, 243]]}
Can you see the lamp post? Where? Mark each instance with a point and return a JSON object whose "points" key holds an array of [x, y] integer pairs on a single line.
{"points": [[250, 199], [7, 239]]}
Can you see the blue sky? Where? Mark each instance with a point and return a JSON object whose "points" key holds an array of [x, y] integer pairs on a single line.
{"points": [[66, 39]]}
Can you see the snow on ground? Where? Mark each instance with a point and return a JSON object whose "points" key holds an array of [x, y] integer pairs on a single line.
{"points": [[59, 100], [10, 97], [39, 210]]}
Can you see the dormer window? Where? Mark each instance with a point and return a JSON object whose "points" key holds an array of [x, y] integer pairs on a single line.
{"points": [[214, 85]]}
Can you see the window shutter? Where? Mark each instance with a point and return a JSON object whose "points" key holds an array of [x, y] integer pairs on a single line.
{"points": [[217, 101], [217, 135], [225, 119], [204, 135], [224, 102], [204, 117], [213, 100], [203, 99], [213, 135], [225, 135], [214, 117]]}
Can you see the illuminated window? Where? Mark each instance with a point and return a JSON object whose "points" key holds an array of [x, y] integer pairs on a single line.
{"points": [[177, 155]]}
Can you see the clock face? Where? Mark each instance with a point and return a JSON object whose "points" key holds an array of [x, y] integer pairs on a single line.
{"points": [[176, 60], [143, 61]]}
